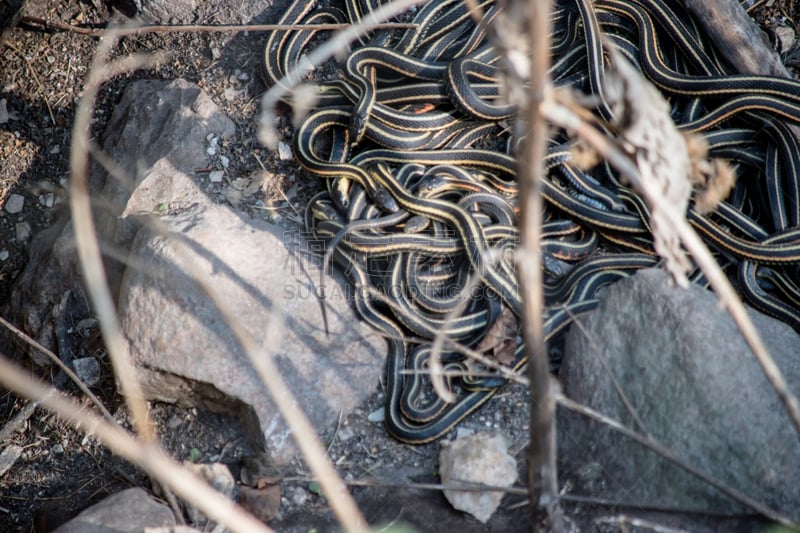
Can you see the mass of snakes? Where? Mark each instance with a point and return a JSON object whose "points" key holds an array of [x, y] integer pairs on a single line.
{"points": [[412, 143]]}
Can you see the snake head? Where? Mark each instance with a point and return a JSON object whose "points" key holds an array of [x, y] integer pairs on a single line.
{"points": [[358, 126]]}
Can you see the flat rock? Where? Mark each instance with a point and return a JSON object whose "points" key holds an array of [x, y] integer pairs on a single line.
{"points": [[483, 459], [698, 390], [157, 136], [128, 511], [186, 350]]}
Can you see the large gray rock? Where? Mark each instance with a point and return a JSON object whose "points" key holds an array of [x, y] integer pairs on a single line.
{"points": [[688, 373], [186, 350], [159, 133], [131, 510], [161, 125]]}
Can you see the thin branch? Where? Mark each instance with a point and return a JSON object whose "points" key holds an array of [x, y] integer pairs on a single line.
{"points": [[562, 116], [60, 364], [138, 451], [542, 470], [196, 28], [337, 44], [667, 454], [86, 236]]}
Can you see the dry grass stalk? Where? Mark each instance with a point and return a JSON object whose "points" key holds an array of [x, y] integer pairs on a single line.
{"points": [[145, 454], [556, 108], [89, 250], [521, 37], [667, 454], [338, 44], [86, 236]]}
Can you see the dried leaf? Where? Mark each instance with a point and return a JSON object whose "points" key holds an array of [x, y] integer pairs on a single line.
{"points": [[659, 150], [263, 503], [500, 340]]}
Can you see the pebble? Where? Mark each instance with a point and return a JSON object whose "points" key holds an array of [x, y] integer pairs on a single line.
{"points": [[480, 458], [14, 203], [299, 496], [785, 38], [23, 230], [284, 151], [88, 369], [4, 255], [8, 457], [47, 200], [345, 433], [215, 176], [225, 161], [378, 415]]}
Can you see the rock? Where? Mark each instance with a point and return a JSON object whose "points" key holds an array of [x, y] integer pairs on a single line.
{"points": [[131, 510], [218, 476], [22, 231], [785, 38], [187, 353], [87, 369], [688, 373], [14, 204], [285, 151], [481, 458], [264, 503], [36, 302], [156, 136], [8, 457]]}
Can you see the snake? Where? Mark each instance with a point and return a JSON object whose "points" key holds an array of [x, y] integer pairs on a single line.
{"points": [[411, 140]]}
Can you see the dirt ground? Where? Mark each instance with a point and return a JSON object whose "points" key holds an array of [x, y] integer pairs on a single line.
{"points": [[60, 470]]}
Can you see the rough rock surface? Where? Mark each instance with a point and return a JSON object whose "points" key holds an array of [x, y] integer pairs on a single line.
{"points": [[186, 350], [159, 133], [157, 124], [131, 511], [698, 390], [482, 458]]}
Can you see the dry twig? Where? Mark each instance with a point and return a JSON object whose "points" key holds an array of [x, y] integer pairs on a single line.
{"points": [[146, 454], [195, 28]]}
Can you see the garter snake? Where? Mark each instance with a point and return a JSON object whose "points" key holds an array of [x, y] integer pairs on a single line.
{"points": [[417, 124]]}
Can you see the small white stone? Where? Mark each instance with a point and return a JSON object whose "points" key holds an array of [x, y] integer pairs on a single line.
{"points": [[785, 38], [244, 76], [378, 415], [57, 449], [9, 456], [14, 203], [47, 199], [211, 150], [55, 149], [88, 369], [299, 496], [215, 176], [232, 94], [23, 231], [284, 152], [225, 161], [4, 255]]}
